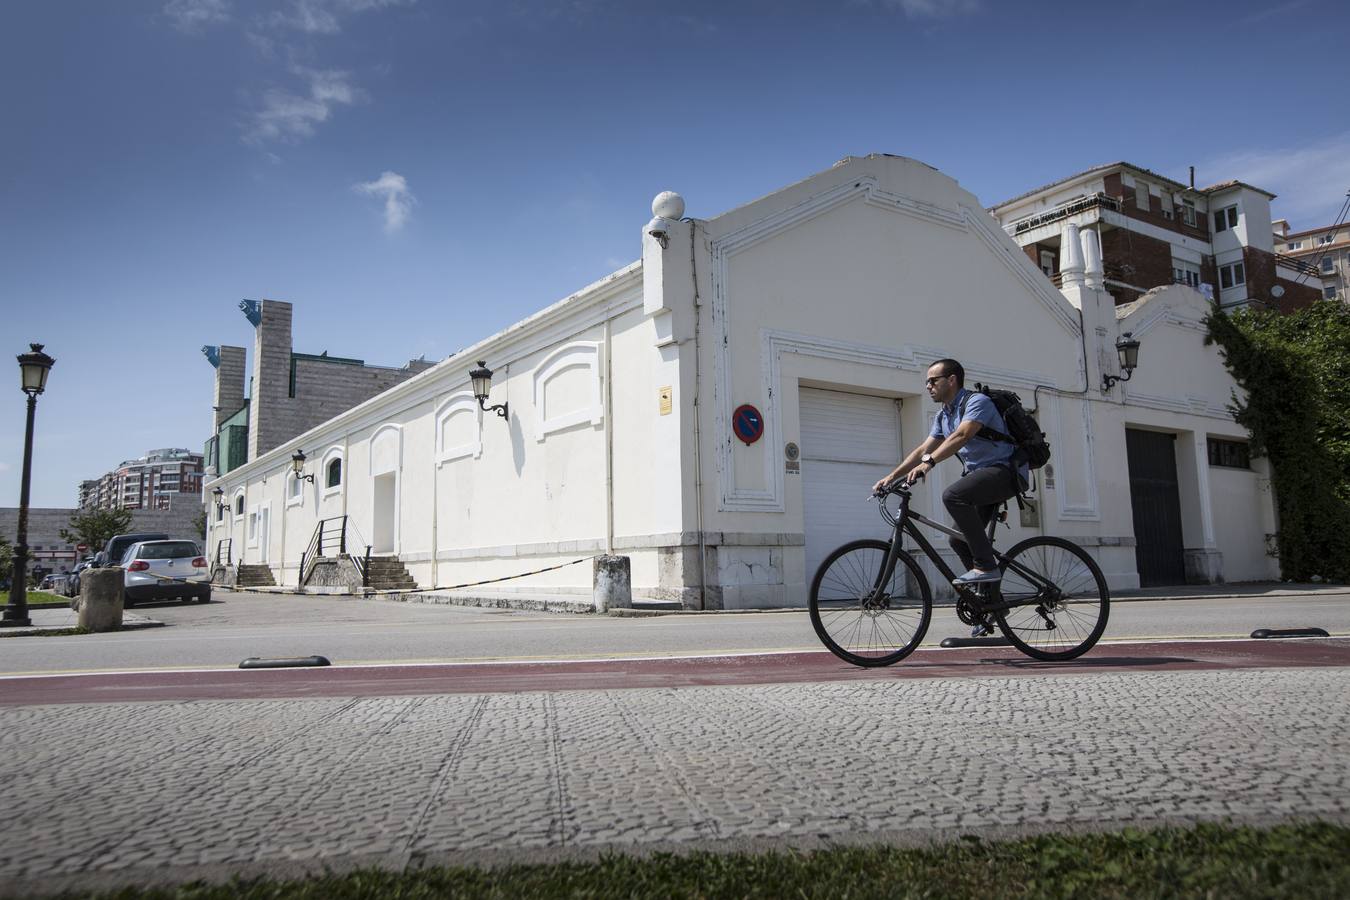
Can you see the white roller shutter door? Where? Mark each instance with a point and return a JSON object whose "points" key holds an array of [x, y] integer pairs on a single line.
{"points": [[848, 441]]}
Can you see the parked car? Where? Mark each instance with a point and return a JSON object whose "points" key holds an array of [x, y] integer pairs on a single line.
{"points": [[118, 544], [73, 580], [165, 570]]}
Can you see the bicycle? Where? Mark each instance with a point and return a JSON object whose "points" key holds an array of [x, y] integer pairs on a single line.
{"points": [[871, 605]]}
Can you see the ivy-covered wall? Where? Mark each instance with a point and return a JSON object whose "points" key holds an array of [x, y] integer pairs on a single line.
{"points": [[1295, 370]]}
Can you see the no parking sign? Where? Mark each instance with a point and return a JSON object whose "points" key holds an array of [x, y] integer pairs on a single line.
{"points": [[747, 423]]}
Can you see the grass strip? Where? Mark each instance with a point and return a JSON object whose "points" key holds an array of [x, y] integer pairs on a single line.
{"points": [[1289, 861]]}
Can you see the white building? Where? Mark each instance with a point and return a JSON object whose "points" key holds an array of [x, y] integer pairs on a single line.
{"points": [[821, 305]]}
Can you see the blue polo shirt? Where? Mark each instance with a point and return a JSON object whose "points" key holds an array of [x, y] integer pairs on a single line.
{"points": [[978, 452]]}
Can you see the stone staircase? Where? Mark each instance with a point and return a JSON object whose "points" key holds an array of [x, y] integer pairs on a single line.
{"points": [[254, 576], [388, 574]]}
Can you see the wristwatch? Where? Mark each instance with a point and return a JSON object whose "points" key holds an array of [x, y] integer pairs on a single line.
{"points": [[928, 458]]}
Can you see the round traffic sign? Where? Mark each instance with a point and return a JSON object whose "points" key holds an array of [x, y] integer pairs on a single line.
{"points": [[748, 424]]}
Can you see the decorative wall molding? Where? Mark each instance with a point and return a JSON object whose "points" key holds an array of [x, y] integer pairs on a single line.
{"points": [[1166, 315], [461, 404], [1015, 261], [1190, 406], [587, 355], [386, 435], [1086, 509]]}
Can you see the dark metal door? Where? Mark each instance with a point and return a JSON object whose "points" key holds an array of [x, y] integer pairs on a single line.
{"points": [[1157, 507]]}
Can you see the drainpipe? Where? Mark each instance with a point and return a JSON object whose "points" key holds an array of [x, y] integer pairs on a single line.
{"points": [[609, 444], [698, 440]]}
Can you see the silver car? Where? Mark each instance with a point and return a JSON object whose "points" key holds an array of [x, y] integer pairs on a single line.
{"points": [[165, 570]]}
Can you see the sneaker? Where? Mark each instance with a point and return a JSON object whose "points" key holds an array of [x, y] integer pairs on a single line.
{"points": [[983, 628], [975, 576]]}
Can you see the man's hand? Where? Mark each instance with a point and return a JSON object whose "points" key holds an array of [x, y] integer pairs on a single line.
{"points": [[918, 472], [881, 485]]}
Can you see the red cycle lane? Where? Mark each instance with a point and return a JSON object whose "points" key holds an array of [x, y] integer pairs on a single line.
{"points": [[620, 674]]}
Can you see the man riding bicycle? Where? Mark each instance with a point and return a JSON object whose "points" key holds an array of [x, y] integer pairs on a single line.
{"points": [[992, 473]]}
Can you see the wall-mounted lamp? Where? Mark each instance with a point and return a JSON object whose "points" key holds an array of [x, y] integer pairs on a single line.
{"points": [[482, 383], [1127, 348], [219, 495], [298, 467]]}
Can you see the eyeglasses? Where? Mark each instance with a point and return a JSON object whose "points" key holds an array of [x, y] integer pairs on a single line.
{"points": [[935, 379]]}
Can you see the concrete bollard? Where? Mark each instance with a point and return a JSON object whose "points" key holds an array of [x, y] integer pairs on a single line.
{"points": [[613, 583], [100, 606]]}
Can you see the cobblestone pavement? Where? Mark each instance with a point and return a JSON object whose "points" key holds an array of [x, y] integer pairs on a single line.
{"points": [[152, 792]]}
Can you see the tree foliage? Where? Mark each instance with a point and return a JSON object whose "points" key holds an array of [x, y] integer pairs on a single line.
{"points": [[6, 558], [1295, 370], [95, 526]]}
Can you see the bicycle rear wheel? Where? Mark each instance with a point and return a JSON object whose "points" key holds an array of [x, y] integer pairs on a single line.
{"points": [[863, 626], [1064, 597]]}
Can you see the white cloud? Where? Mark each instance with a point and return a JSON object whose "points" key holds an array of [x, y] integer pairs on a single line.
{"points": [[934, 9], [398, 200], [1310, 180], [195, 16], [288, 117], [325, 16]]}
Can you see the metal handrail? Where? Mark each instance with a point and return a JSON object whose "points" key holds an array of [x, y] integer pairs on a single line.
{"points": [[224, 547], [362, 564], [326, 532], [1063, 211]]}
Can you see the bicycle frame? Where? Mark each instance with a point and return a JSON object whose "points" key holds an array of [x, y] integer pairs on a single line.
{"points": [[904, 523]]}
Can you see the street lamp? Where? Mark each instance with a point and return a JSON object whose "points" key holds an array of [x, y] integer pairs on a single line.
{"points": [[1127, 348], [34, 367], [482, 383], [298, 466], [219, 495]]}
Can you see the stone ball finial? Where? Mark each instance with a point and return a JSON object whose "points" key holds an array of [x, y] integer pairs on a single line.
{"points": [[668, 205]]}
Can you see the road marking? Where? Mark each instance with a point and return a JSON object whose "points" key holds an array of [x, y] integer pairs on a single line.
{"points": [[562, 659]]}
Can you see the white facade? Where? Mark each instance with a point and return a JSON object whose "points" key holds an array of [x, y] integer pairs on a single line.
{"points": [[822, 305]]}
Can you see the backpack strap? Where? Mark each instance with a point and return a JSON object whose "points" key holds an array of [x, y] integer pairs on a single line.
{"points": [[989, 434]]}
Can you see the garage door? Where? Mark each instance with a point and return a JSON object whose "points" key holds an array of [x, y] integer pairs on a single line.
{"points": [[848, 442]]}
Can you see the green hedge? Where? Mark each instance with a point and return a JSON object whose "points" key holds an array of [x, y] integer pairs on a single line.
{"points": [[1295, 371]]}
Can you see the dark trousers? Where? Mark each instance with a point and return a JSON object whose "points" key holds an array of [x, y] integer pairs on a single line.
{"points": [[972, 502]]}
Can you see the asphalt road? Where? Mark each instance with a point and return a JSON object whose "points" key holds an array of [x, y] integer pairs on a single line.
{"points": [[349, 632]]}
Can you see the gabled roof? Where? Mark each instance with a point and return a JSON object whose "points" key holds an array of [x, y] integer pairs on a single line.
{"points": [[1225, 185]]}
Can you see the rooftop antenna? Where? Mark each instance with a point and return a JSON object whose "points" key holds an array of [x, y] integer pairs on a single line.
{"points": [[1192, 177]]}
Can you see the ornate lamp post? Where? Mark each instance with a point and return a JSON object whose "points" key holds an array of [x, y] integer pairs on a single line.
{"points": [[1127, 348], [34, 366], [482, 384]]}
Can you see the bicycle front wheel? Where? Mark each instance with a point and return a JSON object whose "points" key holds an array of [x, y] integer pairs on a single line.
{"points": [[860, 623], [1062, 599]]}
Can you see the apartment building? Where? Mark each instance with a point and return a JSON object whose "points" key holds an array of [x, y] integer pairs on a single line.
{"points": [[161, 479], [1155, 231], [1326, 250]]}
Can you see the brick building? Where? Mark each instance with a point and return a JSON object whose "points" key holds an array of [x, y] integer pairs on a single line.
{"points": [[1327, 249], [290, 392], [1154, 231], [161, 479]]}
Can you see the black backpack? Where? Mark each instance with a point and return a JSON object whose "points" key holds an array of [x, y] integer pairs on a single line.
{"points": [[1024, 431]]}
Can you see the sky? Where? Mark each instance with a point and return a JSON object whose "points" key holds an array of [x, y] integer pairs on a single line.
{"points": [[414, 175]]}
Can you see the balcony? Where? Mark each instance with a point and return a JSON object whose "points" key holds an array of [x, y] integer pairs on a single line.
{"points": [[1063, 211], [1301, 266]]}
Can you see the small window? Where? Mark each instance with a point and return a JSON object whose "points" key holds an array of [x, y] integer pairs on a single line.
{"points": [[1326, 239], [1048, 263], [1188, 211], [334, 477], [1141, 194], [1328, 293], [1295, 245], [1225, 218], [1229, 454], [239, 505], [220, 513], [293, 488], [1328, 265], [1232, 276]]}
